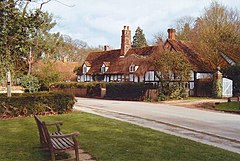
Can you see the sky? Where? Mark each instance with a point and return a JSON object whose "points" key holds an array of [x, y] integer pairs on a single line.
{"points": [[99, 22]]}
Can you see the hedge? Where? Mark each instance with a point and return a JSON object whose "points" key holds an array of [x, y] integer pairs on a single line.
{"points": [[114, 90], [127, 90], [93, 88], [26, 104], [77, 84]]}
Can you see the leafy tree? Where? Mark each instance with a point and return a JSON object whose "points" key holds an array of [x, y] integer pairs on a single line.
{"points": [[139, 39], [19, 28], [47, 74], [184, 28], [159, 38], [173, 73], [215, 32], [73, 50]]}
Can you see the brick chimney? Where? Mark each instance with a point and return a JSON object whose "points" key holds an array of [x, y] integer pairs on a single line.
{"points": [[171, 34], [106, 47], [125, 40]]}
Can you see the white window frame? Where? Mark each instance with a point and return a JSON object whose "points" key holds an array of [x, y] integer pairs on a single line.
{"points": [[85, 70], [103, 68], [150, 76], [132, 68]]}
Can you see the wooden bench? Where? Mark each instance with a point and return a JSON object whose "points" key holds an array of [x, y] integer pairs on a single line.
{"points": [[56, 141]]}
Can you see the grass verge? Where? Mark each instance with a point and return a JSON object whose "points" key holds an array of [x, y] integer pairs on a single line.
{"points": [[106, 140], [229, 107]]}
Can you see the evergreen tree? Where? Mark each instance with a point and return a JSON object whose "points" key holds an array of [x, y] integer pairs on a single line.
{"points": [[139, 39]]}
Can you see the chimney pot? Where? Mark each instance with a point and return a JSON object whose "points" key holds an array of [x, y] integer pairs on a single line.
{"points": [[106, 47], [171, 33]]}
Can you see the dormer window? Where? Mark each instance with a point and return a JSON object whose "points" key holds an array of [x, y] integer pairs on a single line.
{"points": [[86, 66], [84, 69], [132, 68], [103, 68]]}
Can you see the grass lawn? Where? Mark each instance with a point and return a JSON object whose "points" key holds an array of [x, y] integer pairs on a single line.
{"points": [[229, 106], [106, 140]]}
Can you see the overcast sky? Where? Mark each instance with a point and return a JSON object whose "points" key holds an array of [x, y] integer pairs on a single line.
{"points": [[99, 22]]}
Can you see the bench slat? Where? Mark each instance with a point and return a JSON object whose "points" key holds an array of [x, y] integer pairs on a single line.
{"points": [[66, 141], [55, 144], [64, 145]]}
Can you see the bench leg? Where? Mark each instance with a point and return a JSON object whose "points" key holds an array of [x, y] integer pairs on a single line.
{"points": [[53, 156], [76, 153]]}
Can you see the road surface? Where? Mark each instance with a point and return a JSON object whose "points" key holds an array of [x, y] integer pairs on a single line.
{"points": [[213, 128]]}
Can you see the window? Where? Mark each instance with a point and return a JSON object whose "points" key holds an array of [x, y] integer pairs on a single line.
{"points": [[149, 76], [132, 68], [103, 68], [84, 69], [131, 78]]}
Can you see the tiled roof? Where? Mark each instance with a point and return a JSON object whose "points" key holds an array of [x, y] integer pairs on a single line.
{"points": [[120, 65], [88, 64], [196, 59], [107, 63], [96, 59], [141, 57], [232, 51], [144, 58]]}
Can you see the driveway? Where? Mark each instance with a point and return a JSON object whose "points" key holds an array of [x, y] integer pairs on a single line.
{"points": [[214, 128]]}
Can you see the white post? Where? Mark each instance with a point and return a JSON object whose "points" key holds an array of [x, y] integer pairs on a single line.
{"points": [[8, 84]]}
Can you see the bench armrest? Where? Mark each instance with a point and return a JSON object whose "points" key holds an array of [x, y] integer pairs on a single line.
{"points": [[66, 135], [55, 123]]}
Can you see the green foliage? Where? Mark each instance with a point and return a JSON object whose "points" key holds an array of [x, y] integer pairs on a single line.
{"points": [[126, 90], [233, 72], [20, 28], [139, 39], [173, 74], [229, 107], [77, 84], [30, 83], [35, 103], [93, 88]]}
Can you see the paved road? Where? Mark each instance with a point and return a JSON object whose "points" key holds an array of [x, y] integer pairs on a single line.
{"points": [[215, 128]]}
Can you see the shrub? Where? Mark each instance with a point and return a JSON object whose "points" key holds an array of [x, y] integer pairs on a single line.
{"points": [[35, 103], [172, 90], [30, 83]]}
